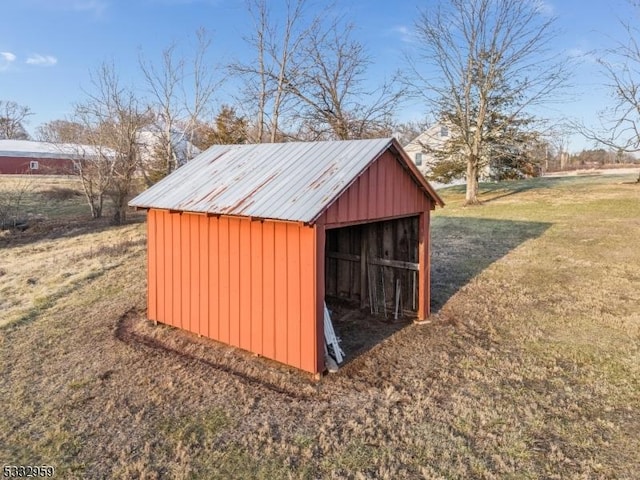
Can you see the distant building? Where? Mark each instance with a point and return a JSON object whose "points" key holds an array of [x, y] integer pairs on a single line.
{"points": [[151, 141], [43, 158], [420, 148]]}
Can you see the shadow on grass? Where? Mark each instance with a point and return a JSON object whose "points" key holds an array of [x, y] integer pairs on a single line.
{"points": [[490, 191], [462, 247], [507, 188], [63, 228]]}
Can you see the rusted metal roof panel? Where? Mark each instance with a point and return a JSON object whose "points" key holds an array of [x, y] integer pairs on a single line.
{"points": [[293, 181]]}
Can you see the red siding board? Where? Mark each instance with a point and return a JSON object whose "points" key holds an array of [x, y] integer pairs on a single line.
{"points": [[257, 304], [194, 271], [269, 288], [224, 278], [152, 269], [244, 293], [234, 282], [203, 283], [293, 295], [214, 279], [185, 264], [281, 254], [158, 219], [307, 300]]}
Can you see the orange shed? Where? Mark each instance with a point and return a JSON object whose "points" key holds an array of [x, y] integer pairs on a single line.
{"points": [[245, 241]]}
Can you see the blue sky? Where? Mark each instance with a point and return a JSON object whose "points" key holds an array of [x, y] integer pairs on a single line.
{"points": [[48, 47]]}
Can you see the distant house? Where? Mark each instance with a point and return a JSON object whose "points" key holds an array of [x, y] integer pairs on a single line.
{"points": [[420, 148], [421, 151], [151, 141], [44, 158]]}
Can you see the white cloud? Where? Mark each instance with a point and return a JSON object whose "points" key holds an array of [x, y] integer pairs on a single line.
{"points": [[405, 33], [42, 60], [8, 56], [97, 7], [6, 59], [93, 7], [581, 55], [545, 8]]}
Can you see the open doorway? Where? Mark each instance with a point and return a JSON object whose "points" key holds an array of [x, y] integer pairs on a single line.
{"points": [[371, 280]]}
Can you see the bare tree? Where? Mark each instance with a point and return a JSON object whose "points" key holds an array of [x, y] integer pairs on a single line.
{"points": [[181, 92], [277, 48], [330, 83], [61, 131], [13, 116], [620, 124], [112, 118], [309, 76], [13, 193], [480, 66], [407, 131]]}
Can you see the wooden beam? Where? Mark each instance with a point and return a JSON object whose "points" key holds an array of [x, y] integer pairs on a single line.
{"points": [[375, 261], [395, 264], [344, 256]]}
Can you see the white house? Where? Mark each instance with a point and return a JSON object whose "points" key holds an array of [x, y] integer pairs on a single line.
{"points": [[150, 140], [421, 148], [433, 137]]}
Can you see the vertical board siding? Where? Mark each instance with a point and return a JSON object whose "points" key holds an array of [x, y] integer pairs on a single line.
{"points": [[245, 283], [152, 265], [293, 293], [384, 190], [160, 280], [281, 292], [185, 266], [213, 240], [194, 268], [269, 289], [234, 282], [308, 352], [244, 293], [223, 278], [203, 281], [257, 305]]}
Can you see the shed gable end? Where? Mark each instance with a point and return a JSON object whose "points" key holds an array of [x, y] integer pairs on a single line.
{"points": [[384, 190]]}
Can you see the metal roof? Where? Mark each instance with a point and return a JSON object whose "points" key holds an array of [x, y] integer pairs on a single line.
{"points": [[293, 181], [31, 149]]}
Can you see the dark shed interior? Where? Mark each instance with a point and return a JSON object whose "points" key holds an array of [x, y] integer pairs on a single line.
{"points": [[374, 266]]}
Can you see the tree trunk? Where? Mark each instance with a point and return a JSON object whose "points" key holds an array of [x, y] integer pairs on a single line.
{"points": [[120, 212], [471, 197]]}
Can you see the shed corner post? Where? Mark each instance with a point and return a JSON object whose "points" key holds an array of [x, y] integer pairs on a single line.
{"points": [[424, 258], [319, 280]]}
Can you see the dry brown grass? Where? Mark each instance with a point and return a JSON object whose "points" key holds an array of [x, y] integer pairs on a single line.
{"points": [[529, 370], [47, 196]]}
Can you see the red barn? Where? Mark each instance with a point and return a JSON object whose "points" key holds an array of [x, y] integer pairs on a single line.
{"points": [[245, 241], [25, 156]]}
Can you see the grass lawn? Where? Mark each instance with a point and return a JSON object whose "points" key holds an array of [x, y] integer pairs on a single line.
{"points": [[530, 368]]}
